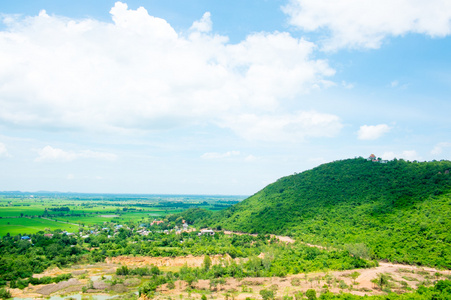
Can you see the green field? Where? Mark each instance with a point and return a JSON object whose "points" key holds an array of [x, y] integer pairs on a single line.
{"points": [[21, 212], [15, 226]]}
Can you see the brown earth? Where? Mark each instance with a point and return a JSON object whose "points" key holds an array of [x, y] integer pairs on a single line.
{"points": [[235, 288], [238, 289], [289, 285], [190, 261]]}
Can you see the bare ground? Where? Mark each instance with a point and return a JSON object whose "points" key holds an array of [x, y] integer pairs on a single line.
{"points": [[238, 289]]}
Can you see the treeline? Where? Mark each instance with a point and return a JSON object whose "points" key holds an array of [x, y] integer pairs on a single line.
{"points": [[62, 209]]}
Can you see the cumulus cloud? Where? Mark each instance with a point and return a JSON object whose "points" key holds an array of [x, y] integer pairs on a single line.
{"points": [[3, 151], [372, 132], [291, 127], [365, 23], [48, 153], [204, 24], [216, 155], [138, 73], [438, 149]]}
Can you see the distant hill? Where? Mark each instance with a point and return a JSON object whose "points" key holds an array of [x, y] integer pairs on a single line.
{"points": [[398, 210]]}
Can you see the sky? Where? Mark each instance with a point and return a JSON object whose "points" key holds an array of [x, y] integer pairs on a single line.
{"points": [[216, 97]]}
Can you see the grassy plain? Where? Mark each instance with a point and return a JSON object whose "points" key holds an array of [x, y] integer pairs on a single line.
{"points": [[15, 226]]}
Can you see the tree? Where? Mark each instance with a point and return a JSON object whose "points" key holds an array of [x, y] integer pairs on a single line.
{"points": [[267, 294], [382, 280], [355, 275], [207, 263], [311, 294], [5, 294], [190, 279]]}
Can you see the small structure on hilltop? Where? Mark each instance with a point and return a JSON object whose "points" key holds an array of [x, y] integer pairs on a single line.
{"points": [[206, 232], [373, 158]]}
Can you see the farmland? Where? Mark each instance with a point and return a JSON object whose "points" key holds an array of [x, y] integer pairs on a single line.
{"points": [[27, 213]]}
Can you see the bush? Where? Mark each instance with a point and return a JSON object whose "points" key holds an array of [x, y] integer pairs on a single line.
{"points": [[5, 294], [267, 294], [311, 294]]}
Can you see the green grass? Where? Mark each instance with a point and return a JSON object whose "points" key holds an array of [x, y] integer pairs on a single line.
{"points": [[84, 211], [28, 226], [97, 219], [16, 211]]}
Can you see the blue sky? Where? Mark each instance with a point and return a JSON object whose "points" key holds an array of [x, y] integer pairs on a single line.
{"points": [[216, 97]]}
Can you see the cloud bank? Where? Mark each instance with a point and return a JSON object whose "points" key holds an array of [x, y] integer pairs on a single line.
{"points": [[138, 73]]}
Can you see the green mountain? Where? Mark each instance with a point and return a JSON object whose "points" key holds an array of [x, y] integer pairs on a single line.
{"points": [[398, 210]]}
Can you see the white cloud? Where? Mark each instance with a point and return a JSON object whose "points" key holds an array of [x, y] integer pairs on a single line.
{"points": [[438, 149], [138, 73], [290, 127], [3, 151], [372, 132], [397, 84], [347, 85], [410, 155], [250, 158], [216, 155], [204, 24], [365, 23], [389, 155], [48, 153]]}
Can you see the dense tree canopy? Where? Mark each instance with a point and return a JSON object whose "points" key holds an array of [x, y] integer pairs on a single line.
{"points": [[399, 210]]}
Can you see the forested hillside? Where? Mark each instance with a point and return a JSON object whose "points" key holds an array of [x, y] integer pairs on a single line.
{"points": [[399, 210]]}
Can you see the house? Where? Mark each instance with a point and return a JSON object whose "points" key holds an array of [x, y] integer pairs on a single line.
{"points": [[156, 222], [206, 232], [48, 235], [25, 238]]}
